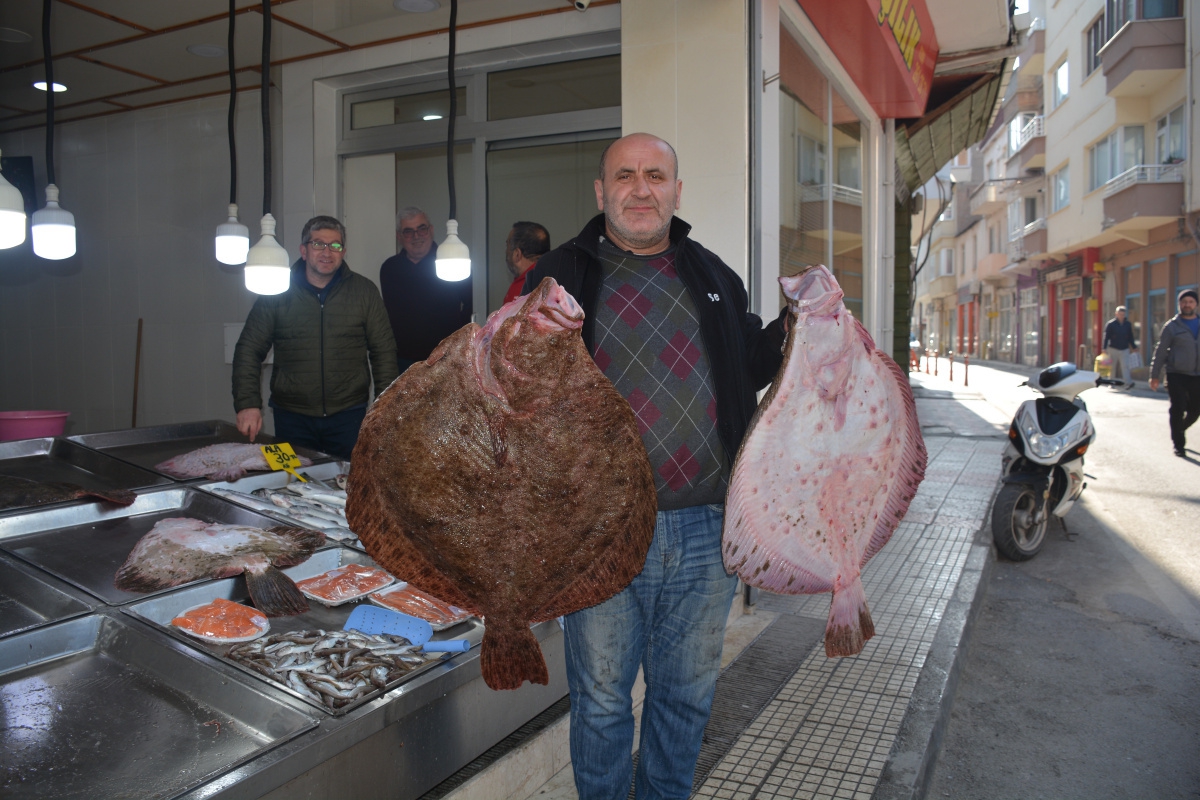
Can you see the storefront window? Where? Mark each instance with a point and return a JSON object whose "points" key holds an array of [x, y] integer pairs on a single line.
{"points": [[821, 198], [1028, 327]]}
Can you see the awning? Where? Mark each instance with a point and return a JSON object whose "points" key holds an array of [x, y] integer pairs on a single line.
{"points": [[962, 108]]}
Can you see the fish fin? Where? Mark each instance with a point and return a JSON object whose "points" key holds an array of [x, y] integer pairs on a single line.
{"points": [[865, 336], [511, 655], [757, 565], [121, 497], [850, 624], [609, 574], [274, 593], [130, 578], [230, 474], [306, 541], [911, 471]]}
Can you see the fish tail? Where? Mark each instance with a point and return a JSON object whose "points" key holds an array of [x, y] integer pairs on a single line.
{"points": [[274, 593], [510, 656], [850, 624]]}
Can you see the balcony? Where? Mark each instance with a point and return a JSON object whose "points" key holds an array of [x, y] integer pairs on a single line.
{"points": [[1033, 239], [841, 194], [1144, 56], [1033, 56], [1142, 198], [943, 286], [1031, 145], [990, 266], [988, 198]]}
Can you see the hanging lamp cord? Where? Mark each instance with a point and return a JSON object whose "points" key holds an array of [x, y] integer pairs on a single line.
{"points": [[453, 111], [48, 60], [232, 102], [266, 105]]}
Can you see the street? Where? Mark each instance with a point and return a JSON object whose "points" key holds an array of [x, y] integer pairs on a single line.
{"points": [[1082, 674]]}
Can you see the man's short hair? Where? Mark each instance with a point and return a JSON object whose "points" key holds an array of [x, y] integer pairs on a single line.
{"points": [[604, 155], [1123, 308], [408, 212], [322, 223], [531, 239]]}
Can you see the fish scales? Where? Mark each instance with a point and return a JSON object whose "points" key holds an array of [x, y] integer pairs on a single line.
{"points": [[832, 459], [505, 475]]}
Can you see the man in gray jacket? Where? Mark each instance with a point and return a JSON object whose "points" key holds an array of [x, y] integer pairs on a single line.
{"points": [[1178, 352]]}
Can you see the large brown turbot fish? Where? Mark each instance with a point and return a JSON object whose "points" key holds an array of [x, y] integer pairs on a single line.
{"points": [[833, 458], [506, 475]]}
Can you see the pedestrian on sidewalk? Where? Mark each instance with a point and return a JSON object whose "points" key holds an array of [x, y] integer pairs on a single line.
{"points": [[1118, 343], [668, 323], [1178, 353]]}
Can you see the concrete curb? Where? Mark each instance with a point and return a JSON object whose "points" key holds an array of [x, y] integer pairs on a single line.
{"points": [[910, 764]]}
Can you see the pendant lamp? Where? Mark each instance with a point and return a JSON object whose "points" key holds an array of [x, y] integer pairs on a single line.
{"points": [[53, 226], [233, 238], [453, 257], [267, 266], [12, 215]]}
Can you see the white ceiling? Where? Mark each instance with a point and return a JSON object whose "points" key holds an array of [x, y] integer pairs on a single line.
{"points": [[118, 55]]}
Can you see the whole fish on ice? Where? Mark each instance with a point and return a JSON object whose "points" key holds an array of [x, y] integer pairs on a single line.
{"points": [[18, 492], [179, 550], [505, 475], [219, 462], [829, 466]]}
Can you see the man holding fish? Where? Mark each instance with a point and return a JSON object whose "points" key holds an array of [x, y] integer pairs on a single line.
{"points": [[667, 322], [331, 336]]}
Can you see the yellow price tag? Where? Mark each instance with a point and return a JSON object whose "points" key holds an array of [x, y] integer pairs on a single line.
{"points": [[282, 457]]}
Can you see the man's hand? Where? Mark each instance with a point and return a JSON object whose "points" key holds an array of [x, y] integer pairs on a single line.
{"points": [[1154, 384], [249, 422]]}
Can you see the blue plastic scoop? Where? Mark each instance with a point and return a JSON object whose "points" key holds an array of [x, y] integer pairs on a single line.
{"points": [[373, 620]]}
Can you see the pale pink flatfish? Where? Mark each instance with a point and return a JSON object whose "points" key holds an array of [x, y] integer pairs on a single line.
{"points": [[829, 466]]}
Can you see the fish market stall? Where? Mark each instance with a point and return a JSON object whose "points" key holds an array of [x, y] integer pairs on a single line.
{"points": [[149, 447], [103, 695]]}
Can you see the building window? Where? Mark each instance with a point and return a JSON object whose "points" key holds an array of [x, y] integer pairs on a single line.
{"points": [[962, 258], [1095, 40], [946, 265], [991, 239], [1015, 126], [1168, 138], [1015, 225], [1121, 150], [1160, 9], [1031, 214], [1060, 189], [1061, 86], [811, 161], [1118, 12]]}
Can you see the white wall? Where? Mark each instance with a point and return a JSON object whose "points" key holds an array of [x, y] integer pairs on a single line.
{"points": [[147, 189]]}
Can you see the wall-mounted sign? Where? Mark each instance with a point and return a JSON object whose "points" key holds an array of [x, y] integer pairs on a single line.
{"points": [[888, 47], [1071, 289]]}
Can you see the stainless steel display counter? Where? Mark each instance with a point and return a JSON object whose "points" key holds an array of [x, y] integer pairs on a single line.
{"points": [[100, 696]]}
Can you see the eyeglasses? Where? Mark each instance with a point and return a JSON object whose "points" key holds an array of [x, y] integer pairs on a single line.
{"points": [[422, 230], [336, 247]]}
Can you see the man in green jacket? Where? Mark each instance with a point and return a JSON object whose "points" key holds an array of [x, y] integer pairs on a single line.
{"points": [[331, 334]]}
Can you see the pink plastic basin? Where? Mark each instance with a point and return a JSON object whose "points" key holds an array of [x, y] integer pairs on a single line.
{"points": [[31, 424]]}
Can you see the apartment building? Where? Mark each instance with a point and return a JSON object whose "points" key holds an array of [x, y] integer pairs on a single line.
{"points": [[1082, 188]]}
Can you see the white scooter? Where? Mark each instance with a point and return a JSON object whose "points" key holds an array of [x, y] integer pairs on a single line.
{"points": [[1042, 466]]}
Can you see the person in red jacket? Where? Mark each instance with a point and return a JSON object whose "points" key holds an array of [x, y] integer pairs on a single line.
{"points": [[526, 243]]}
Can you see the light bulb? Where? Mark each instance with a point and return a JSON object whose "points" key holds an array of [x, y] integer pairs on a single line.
{"points": [[453, 257], [53, 229], [268, 270], [12, 215], [233, 239]]}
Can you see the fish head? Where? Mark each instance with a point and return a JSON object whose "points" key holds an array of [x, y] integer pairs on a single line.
{"points": [[529, 344], [823, 330]]}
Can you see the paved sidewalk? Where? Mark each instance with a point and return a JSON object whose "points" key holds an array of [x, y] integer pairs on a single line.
{"points": [[867, 726]]}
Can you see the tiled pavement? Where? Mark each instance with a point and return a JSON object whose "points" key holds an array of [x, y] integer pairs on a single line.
{"points": [[869, 726]]}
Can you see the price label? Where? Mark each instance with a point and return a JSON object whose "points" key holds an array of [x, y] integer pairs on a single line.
{"points": [[282, 457]]}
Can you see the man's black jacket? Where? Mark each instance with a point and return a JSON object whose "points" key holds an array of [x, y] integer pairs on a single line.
{"points": [[744, 355]]}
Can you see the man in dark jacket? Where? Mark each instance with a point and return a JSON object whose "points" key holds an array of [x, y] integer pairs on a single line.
{"points": [[1118, 343], [667, 323], [331, 336], [423, 308], [1178, 354]]}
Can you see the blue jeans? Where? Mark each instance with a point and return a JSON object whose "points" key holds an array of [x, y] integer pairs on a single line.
{"points": [[335, 434], [671, 622]]}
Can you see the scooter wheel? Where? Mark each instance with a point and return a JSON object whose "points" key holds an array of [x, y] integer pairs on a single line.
{"points": [[1016, 534]]}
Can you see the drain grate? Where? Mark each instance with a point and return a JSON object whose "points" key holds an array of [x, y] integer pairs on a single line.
{"points": [[752, 681]]}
